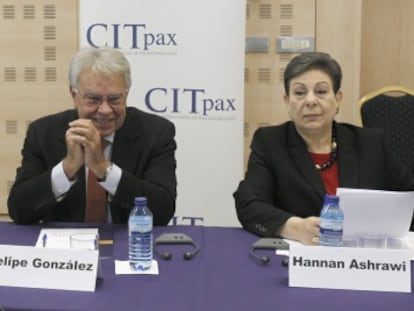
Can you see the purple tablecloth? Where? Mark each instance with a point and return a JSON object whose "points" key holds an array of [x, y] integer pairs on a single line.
{"points": [[222, 276]]}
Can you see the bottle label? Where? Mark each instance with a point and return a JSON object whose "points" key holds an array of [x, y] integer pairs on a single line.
{"points": [[140, 224], [331, 232]]}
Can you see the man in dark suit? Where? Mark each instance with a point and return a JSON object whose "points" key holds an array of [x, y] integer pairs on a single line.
{"points": [[129, 152]]}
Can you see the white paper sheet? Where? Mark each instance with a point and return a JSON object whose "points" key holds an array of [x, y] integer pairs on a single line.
{"points": [[376, 213], [122, 267]]}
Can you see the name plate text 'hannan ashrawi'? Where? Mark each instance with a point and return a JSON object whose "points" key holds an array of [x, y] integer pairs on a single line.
{"points": [[350, 268]]}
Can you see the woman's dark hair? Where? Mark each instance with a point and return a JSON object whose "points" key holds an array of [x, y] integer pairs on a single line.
{"points": [[313, 61]]}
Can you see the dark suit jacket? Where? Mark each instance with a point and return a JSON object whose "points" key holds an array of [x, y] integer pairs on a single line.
{"points": [[282, 181], [143, 148]]}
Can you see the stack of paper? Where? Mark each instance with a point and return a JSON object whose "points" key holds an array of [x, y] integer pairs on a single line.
{"points": [[376, 213]]}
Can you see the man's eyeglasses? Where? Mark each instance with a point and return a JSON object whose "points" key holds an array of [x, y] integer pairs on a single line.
{"points": [[93, 100]]}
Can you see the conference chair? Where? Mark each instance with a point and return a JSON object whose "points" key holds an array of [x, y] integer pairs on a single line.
{"points": [[392, 109]]}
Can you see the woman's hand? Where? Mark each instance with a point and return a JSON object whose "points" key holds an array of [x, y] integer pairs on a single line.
{"points": [[304, 230]]}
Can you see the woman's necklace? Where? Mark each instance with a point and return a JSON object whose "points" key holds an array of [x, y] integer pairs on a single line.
{"points": [[332, 158]]}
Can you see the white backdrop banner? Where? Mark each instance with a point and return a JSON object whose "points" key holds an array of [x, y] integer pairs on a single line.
{"points": [[187, 60]]}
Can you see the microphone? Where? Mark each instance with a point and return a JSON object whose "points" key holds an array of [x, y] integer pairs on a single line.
{"points": [[263, 259], [175, 238], [267, 243]]}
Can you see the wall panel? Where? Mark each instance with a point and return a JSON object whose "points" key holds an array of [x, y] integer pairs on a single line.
{"points": [[338, 32], [264, 71], [387, 44], [38, 38]]}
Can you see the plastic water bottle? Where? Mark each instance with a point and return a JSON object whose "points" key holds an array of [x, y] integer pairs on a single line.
{"points": [[332, 221], [140, 235]]}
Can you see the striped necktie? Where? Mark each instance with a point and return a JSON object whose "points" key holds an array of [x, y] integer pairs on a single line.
{"points": [[96, 203]]}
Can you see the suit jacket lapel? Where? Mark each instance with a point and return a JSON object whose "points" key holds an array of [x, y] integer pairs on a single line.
{"points": [[347, 157], [125, 150], [303, 161]]}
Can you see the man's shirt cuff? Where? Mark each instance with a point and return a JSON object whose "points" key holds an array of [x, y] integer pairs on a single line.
{"points": [[60, 183], [112, 180]]}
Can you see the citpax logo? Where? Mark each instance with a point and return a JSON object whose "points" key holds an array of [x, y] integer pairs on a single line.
{"points": [[136, 36]]}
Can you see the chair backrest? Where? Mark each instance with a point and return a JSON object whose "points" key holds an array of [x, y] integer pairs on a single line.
{"points": [[392, 109]]}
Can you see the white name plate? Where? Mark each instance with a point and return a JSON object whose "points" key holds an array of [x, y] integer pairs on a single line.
{"points": [[67, 269], [350, 268]]}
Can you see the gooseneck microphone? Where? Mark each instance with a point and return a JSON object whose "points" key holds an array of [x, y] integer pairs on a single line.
{"points": [[175, 238], [267, 243]]}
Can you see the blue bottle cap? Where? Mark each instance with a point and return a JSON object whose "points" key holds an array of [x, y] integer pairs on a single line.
{"points": [[331, 199], [140, 201]]}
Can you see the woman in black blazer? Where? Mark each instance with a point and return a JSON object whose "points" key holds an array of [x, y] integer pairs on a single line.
{"points": [[293, 165]]}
